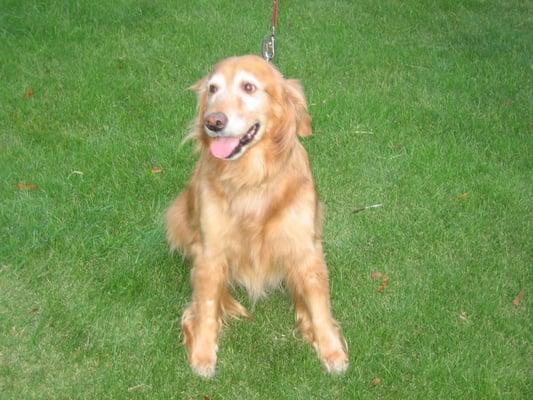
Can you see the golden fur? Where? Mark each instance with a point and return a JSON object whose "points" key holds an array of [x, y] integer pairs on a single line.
{"points": [[254, 220]]}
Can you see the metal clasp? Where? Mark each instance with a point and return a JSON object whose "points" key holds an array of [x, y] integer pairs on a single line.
{"points": [[268, 47]]}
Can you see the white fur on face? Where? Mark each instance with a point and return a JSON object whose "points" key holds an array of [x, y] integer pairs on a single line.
{"points": [[253, 102], [213, 99], [218, 80], [242, 109]]}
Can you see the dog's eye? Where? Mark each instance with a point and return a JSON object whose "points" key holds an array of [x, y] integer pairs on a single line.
{"points": [[212, 88], [248, 87]]}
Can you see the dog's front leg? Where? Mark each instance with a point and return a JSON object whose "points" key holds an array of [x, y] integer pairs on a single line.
{"points": [[308, 281], [201, 321]]}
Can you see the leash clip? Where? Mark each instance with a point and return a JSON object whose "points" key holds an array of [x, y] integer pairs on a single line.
{"points": [[268, 47]]}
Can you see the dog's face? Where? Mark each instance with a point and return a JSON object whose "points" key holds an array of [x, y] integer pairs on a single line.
{"points": [[245, 101]]}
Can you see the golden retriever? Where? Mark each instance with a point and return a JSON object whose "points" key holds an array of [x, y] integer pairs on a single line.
{"points": [[250, 214]]}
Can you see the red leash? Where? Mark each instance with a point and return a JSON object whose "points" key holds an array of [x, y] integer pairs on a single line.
{"points": [[274, 15]]}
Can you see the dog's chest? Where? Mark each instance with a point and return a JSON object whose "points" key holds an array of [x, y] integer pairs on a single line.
{"points": [[248, 208], [249, 251], [257, 230]]}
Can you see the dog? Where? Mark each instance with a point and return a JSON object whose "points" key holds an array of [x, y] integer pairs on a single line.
{"points": [[250, 214]]}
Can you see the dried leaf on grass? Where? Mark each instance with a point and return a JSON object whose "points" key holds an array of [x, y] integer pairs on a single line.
{"points": [[139, 388], [359, 209], [519, 297], [375, 381], [26, 186], [156, 170], [384, 284], [376, 275], [463, 196], [28, 93], [463, 317], [77, 173]]}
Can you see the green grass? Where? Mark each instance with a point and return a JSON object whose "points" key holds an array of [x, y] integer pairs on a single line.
{"points": [[424, 107]]}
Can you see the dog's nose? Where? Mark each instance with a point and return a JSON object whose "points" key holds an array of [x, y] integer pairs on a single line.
{"points": [[216, 121]]}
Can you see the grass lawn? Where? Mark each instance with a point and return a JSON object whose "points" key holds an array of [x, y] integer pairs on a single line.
{"points": [[424, 107]]}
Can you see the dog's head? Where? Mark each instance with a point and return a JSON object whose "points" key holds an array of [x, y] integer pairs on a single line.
{"points": [[245, 103]]}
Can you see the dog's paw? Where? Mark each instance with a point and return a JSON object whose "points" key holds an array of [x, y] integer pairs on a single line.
{"points": [[201, 345], [203, 363], [335, 362], [332, 350]]}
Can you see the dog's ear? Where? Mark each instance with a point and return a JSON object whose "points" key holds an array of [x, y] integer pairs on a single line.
{"points": [[196, 127], [201, 93], [199, 86], [295, 95]]}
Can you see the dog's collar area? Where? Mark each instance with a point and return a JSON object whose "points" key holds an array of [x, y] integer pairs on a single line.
{"points": [[228, 148]]}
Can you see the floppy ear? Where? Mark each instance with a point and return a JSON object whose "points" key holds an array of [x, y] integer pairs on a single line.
{"points": [[196, 126], [199, 86], [295, 95]]}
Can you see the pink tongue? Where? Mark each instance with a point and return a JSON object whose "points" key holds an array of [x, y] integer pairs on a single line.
{"points": [[223, 146]]}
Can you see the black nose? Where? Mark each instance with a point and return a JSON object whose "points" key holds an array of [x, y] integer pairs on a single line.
{"points": [[216, 121]]}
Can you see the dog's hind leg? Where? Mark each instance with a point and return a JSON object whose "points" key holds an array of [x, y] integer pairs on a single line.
{"points": [[303, 319], [231, 308]]}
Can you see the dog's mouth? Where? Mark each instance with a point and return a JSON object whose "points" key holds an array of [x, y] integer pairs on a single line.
{"points": [[228, 147]]}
